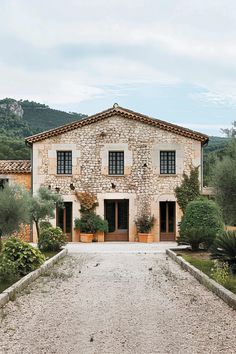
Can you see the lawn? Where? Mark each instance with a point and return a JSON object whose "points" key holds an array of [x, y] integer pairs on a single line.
{"points": [[202, 261], [6, 283]]}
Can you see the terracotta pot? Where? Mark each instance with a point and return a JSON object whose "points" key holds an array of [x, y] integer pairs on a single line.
{"points": [[76, 235], [86, 237], [147, 238], [100, 236]]}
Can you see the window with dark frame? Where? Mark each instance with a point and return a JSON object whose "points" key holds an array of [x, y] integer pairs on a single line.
{"points": [[116, 162], [64, 162], [167, 162]]}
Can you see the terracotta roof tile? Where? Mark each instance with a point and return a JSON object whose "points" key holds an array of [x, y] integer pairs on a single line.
{"points": [[123, 112], [15, 166]]}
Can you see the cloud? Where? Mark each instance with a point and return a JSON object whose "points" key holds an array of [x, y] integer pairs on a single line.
{"points": [[63, 52]]}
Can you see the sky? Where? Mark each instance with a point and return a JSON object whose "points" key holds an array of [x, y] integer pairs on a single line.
{"points": [[172, 60]]}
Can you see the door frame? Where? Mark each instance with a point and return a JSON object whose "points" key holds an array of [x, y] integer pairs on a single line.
{"points": [[117, 231], [167, 236], [69, 235]]}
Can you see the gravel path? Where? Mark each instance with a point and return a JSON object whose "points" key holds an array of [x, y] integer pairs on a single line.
{"points": [[117, 303]]}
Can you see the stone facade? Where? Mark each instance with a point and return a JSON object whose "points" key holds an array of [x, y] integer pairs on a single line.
{"points": [[142, 184]]}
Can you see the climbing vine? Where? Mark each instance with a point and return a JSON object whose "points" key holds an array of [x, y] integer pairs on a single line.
{"points": [[189, 188]]}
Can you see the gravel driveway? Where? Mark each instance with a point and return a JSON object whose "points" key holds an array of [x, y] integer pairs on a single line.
{"points": [[117, 303]]}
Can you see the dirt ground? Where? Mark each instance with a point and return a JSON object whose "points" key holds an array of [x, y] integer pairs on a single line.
{"points": [[117, 303]]}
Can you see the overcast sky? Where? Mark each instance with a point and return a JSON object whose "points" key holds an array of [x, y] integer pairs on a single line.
{"points": [[173, 60]]}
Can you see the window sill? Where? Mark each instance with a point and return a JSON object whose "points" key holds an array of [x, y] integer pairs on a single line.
{"points": [[63, 175], [167, 175], [116, 175]]}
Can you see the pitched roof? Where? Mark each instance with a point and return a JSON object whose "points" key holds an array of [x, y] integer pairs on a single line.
{"points": [[15, 166], [122, 112]]}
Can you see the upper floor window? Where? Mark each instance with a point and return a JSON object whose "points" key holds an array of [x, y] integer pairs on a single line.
{"points": [[167, 162], [64, 162], [116, 162]]}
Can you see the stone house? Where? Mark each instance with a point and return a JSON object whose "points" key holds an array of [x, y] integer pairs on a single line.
{"points": [[131, 162]]}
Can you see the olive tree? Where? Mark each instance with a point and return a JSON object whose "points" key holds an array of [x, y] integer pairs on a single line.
{"points": [[14, 209], [43, 205]]}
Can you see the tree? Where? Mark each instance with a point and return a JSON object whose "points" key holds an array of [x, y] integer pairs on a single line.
{"points": [[201, 223], [230, 133], [43, 205], [14, 209], [189, 188], [224, 181]]}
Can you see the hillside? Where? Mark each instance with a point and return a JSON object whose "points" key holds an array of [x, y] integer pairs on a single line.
{"points": [[19, 119]]}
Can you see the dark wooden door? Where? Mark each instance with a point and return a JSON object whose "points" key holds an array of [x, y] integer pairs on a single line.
{"points": [[167, 221], [117, 216], [64, 219]]}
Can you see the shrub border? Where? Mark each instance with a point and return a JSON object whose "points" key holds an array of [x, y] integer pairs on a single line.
{"points": [[226, 295], [11, 292]]}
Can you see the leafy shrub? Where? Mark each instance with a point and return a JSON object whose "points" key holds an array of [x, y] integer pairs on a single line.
{"points": [[25, 257], [51, 239], [144, 223], [91, 223], [45, 225], [224, 248], [8, 269], [201, 223], [221, 274]]}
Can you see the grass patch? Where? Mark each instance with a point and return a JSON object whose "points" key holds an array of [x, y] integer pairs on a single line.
{"points": [[202, 261], [50, 254]]}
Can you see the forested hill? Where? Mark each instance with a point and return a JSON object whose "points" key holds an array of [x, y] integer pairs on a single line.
{"points": [[38, 116], [19, 119]]}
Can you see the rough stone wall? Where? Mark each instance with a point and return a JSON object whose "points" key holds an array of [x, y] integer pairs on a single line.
{"points": [[142, 178]]}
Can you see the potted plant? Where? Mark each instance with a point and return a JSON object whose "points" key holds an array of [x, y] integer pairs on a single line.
{"points": [[144, 225], [101, 228], [90, 225]]}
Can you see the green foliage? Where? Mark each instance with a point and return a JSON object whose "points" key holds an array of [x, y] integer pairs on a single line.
{"points": [[224, 248], [8, 270], [13, 148], [37, 117], [144, 223], [43, 205], [25, 257], [14, 206], [221, 274], [213, 152], [189, 188], [44, 225], [201, 223], [224, 181], [51, 239], [91, 223]]}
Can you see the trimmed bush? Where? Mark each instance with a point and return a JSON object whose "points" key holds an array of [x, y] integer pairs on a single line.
{"points": [[144, 223], [45, 225], [51, 239], [25, 257], [8, 269], [201, 223], [224, 248], [90, 223]]}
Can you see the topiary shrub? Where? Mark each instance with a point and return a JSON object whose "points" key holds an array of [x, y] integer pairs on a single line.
{"points": [[25, 257], [90, 223], [201, 223], [51, 239], [224, 248], [144, 223]]}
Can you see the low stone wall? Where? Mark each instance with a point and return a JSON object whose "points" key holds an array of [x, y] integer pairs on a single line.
{"points": [[226, 295], [11, 292]]}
